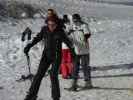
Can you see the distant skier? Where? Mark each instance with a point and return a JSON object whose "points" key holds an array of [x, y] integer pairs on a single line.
{"points": [[25, 38], [80, 34], [53, 37]]}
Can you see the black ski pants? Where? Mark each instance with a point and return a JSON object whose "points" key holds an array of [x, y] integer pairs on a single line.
{"points": [[43, 67]]}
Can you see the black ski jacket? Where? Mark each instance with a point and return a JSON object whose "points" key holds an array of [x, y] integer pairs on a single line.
{"points": [[52, 42]]}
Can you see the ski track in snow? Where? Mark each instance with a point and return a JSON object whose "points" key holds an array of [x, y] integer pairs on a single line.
{"points": [[111, 43]]}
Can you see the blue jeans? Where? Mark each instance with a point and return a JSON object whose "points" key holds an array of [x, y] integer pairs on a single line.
{"points": [[84, 59]]}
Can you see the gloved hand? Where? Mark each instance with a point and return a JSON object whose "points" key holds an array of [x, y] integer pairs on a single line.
{"points": [[27, 48], [73, 53]]}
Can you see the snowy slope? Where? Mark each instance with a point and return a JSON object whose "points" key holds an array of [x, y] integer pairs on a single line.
{"points": [[111, 47]]}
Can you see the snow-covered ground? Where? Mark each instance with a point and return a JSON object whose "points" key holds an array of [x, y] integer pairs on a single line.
{"points": [[111, 47]]}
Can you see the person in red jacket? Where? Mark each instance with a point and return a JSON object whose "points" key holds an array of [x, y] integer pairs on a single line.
{"points": [[67, 63]]}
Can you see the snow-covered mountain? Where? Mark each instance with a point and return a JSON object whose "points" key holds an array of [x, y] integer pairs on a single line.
{"points": [[86, 8]]}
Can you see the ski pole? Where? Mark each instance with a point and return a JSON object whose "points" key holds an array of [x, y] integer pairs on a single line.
{"points": [[30, 76], [29, 65], [28, 62]]}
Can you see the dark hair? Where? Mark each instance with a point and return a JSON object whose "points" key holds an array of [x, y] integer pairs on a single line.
{"points": [[52, 10], [65, 18], [76, 16]]}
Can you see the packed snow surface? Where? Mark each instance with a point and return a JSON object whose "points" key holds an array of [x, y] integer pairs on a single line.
{"points": [[111, 47]]}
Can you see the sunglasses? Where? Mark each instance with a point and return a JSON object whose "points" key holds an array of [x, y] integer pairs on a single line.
{"points": [[52, 24]]}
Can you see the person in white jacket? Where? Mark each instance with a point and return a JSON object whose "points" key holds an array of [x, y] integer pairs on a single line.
{"points": [[80, 33]]}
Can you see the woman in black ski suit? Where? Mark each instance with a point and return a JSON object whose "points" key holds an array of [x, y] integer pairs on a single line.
{"points": [[53, 37]]}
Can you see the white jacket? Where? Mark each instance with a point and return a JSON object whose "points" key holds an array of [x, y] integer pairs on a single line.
{"points": [[81, 47]]}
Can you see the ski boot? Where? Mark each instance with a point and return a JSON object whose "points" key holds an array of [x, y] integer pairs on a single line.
{"points": [[88, 85], [74, 86], [30, 97], [56, 98]]}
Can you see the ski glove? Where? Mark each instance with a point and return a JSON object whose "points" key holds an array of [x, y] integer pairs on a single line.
{"points": [[27, 48]]}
